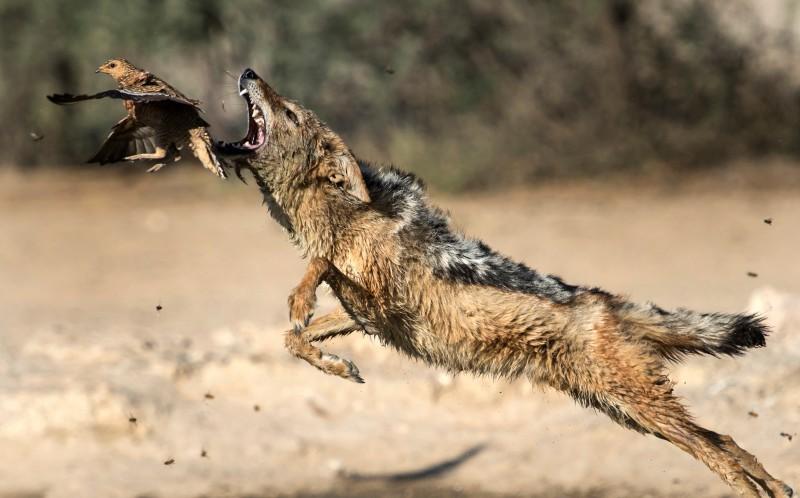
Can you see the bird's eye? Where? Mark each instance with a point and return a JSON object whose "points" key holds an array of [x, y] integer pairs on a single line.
{"points": [[293, 117], [112, 65]]}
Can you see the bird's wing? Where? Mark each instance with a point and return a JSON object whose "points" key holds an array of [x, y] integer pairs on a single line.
{"points": [[127, 138], [143, 77], [124, 94], [152, 83]]}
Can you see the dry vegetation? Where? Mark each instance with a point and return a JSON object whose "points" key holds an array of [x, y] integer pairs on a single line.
{"points": [[450, 88]]}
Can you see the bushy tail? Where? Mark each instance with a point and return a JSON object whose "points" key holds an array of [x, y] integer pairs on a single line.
{"points": [[675, 334], [203, 149]]}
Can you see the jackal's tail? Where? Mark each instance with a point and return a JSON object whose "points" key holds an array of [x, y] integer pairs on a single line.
{"points": [[203, 149], [675, 334]]}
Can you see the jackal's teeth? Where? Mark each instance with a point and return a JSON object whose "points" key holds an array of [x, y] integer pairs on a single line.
{"points": [[243, 92]]}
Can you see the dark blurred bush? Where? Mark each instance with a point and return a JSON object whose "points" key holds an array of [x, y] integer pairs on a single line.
{"points": [[456, 89]]}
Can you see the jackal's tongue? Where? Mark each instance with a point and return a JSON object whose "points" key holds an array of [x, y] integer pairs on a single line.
{"points": [[256, 129]]}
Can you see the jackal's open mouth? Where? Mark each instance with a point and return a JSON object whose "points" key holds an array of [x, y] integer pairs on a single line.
{"points": [[256, 124], [256, 135]]}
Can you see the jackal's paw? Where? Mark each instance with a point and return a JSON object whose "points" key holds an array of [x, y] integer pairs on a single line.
{"points": [[776, 489], [301, 307], [332, 364], [787, 491]]}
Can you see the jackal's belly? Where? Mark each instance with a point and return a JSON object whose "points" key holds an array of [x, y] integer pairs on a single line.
{"points": [[462, 350], [401, 328], [504, 340], [471, 328]]}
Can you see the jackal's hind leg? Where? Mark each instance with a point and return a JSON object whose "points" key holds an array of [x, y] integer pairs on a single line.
{"points": [[754, 469], [657, 411], [302, 301]]}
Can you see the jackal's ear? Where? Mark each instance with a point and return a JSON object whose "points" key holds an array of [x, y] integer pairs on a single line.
{"points": [[341, 169], [347, 176]]}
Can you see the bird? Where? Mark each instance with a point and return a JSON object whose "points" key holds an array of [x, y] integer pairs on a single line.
{"points": [[160, 121]]}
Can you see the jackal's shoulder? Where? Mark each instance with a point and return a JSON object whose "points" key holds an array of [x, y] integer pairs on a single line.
{"points": [[426, 230]]}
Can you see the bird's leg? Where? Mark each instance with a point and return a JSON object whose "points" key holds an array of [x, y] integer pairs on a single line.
{"points": [[160, 153], [171, 154]]}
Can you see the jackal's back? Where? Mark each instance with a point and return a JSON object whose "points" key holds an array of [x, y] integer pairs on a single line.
{"points": [[479, 310], [452, 256]]}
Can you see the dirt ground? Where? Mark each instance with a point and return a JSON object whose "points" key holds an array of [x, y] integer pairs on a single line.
{"points": [[141, 319]]}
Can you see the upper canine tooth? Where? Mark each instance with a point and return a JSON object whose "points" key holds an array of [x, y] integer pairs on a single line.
{"points": [[243, 91]]}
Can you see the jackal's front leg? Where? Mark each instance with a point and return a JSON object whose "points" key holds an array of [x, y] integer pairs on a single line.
{"points": [[302, 301]]}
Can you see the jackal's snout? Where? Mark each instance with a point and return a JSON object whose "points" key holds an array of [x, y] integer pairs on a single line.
{"points": [[247, 74], [255, 93]]}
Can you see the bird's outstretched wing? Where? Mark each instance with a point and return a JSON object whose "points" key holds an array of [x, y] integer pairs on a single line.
{"points": [[134, 95], [127, 138]]}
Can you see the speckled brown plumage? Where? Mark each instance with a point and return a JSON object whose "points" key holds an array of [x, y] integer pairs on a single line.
{"points": [[402, 274], [161, 121]]}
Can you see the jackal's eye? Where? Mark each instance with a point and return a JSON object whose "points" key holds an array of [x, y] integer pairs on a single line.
{"points": [[293, 117]]}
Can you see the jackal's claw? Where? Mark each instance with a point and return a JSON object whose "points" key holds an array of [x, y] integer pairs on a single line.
{"points": [[299, 326], [341, 367], [353, 373], [788, 491]]}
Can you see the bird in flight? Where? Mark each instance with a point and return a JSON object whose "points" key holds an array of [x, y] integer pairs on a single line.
{"points": [[160, 122]]}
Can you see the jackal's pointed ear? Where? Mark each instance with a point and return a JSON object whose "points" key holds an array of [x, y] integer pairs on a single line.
{"points": [[341, 169], [348, 177]]}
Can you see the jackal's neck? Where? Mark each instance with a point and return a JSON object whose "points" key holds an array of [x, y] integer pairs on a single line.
{"points": [[312, 234], [276, 211]]}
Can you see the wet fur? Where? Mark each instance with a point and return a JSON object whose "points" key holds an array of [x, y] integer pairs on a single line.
{"points": [[404, 275]]}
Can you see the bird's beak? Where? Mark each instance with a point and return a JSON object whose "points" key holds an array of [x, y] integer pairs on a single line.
{"points": [[97, 70]]}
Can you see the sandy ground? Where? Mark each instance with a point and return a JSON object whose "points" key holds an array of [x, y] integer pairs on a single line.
{"points": [[86, 259]]}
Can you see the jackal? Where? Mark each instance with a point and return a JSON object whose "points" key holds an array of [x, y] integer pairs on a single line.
{"points": [[403, 274]]}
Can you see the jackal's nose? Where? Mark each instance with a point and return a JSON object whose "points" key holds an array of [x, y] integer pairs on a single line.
{"points": [[249, 74]]}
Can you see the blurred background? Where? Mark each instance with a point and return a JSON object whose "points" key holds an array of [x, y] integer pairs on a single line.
{"points": [[649, 147], [535, 89]]}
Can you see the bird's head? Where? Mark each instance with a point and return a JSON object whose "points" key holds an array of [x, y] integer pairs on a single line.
{"points": [[116, 68]]}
